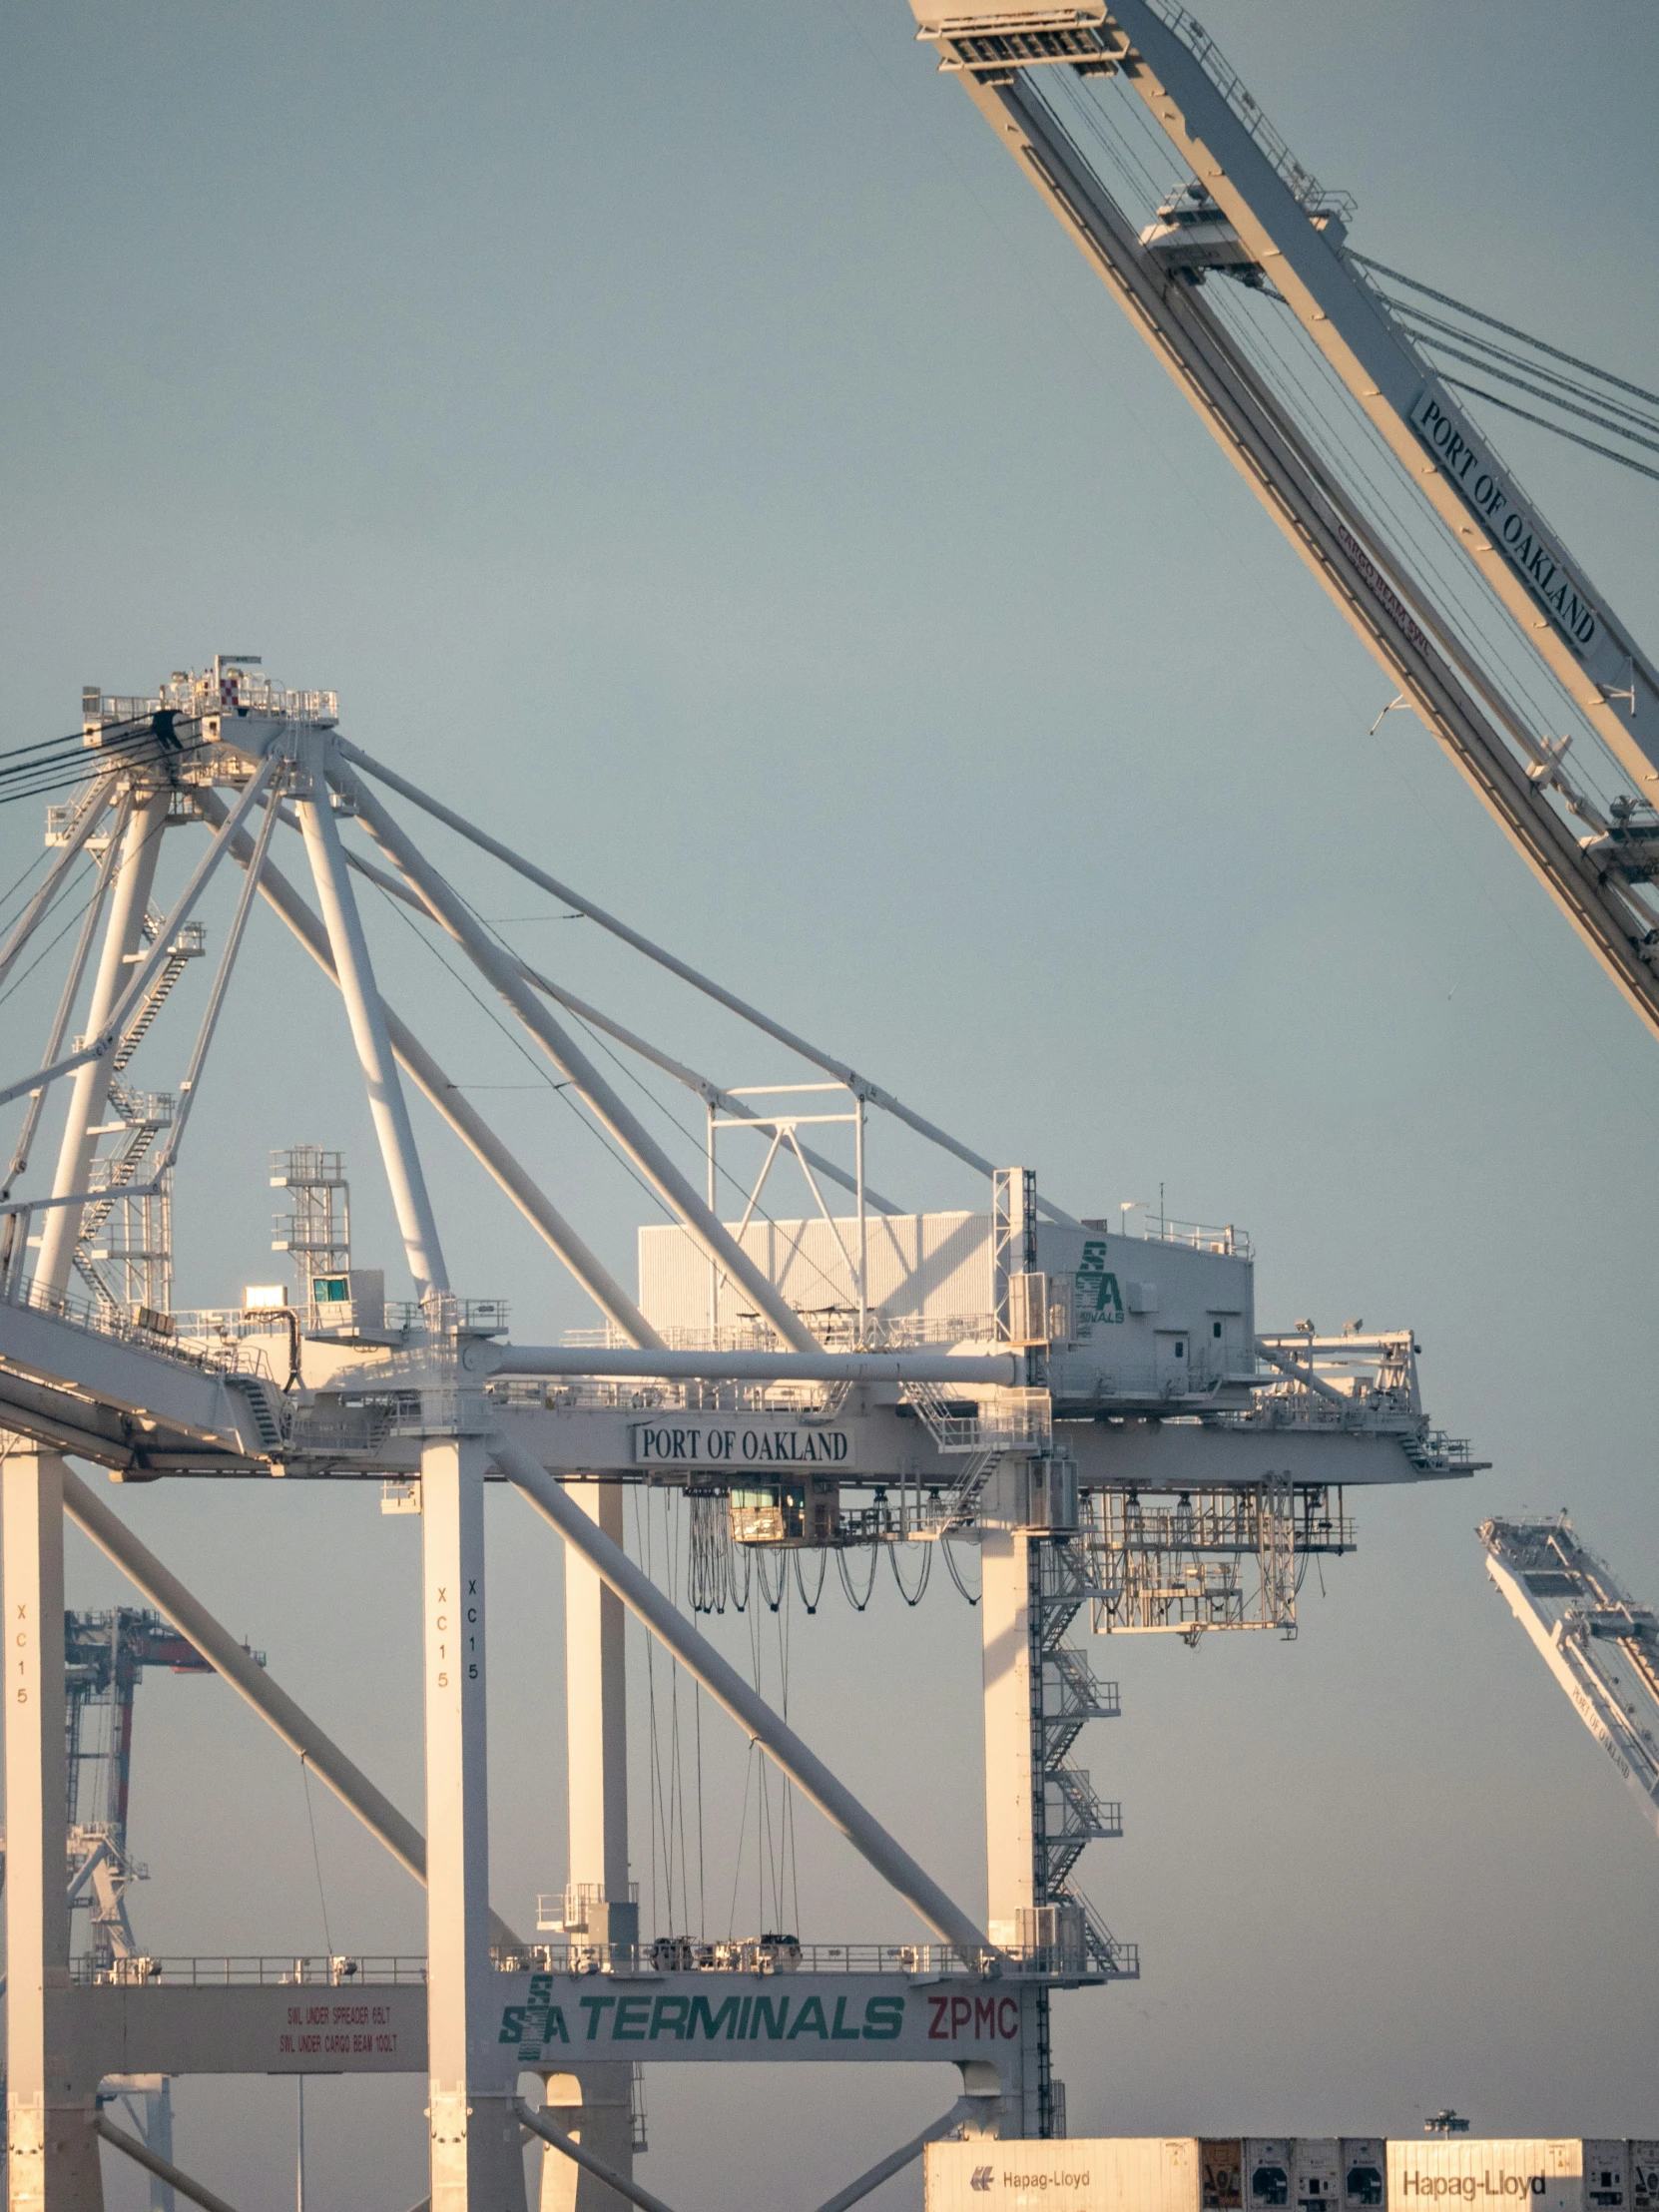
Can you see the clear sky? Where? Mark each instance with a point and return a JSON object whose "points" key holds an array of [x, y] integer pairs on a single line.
{"points": [[686, 443]]}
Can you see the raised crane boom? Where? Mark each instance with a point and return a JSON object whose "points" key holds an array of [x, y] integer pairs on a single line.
{"points": [[1362, 463], [1601, 1647]]}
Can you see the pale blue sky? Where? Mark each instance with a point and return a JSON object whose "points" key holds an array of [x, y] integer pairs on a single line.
{"points": [[686, 443]]}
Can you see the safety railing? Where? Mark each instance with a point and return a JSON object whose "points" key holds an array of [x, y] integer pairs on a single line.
{"points": [[672, 1954], [1195, 1236], [780, 1955], [216, 1358], [1305, 186], [338, 1973]]}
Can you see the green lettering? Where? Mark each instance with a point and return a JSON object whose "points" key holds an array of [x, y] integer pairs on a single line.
{"points": [[631, 2016], [775, 2011], [702, 2012], [811, 2018], [883, 2019], [669, 2013]]}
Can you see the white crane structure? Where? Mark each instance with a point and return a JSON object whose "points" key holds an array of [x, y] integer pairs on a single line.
{"points": [[1094, 1411], [1315, 376], [1600, 1645]]}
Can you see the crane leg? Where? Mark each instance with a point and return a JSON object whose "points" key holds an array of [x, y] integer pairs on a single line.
{"points": [[53, 2164]]}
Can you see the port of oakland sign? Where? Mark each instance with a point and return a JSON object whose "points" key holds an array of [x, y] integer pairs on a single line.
{"points": [[680, 1442], [1481, 485], [741, 2015]]}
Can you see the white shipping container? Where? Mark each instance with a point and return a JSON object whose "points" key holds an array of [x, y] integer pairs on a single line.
{"points": [[1364, 2172], [1316, 2173], [1530, 2175], [1606, 2187], [1153, 2173], [1267, 2172], [1642, 2173]]}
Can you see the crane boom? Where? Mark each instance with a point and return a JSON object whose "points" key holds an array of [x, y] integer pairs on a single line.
{"points": [[1249, 210], [1600, 1647]]}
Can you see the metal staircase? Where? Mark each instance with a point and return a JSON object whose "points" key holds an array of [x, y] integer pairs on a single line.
{"points": [[134, 1269]]}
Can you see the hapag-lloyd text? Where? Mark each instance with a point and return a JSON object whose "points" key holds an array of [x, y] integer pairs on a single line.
{"points": [[1470, 2186]]}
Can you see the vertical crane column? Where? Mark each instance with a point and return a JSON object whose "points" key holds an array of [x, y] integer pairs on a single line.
{"points": [[53, 2153], [476, 2162], [122, 938], [594, 2102], [1014, 1795]]}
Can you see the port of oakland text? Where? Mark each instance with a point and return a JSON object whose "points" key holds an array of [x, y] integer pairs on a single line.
{"points": [[1482, 486], [700, 1444]]}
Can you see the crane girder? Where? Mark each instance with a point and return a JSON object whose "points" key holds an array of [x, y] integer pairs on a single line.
{"points": [[1293, 233]]}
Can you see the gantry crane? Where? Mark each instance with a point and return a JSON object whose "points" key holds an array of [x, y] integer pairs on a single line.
{"points": [[1095, 1411], [1314, 385]]}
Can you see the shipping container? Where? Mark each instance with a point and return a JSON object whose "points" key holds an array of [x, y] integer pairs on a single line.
{"points": [[1267, 2173], [1288, 2173], [1316, 2173], [1606, 2188], [1364, 2172], [1541, 2174], [1154, 2174], [1642, 2175], [1221, 2174]]}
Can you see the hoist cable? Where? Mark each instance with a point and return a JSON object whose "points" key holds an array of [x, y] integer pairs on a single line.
{"points": [[1488, 368], [922, 1579], [1510, 331], [1432, 329], [1485, 626], [1625, 460], [972, 1596]]}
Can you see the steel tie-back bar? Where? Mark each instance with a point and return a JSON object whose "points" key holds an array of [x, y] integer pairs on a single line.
{"points": [[581, 1073], [273, 1704], [97, 805], [703, 1086], [474, 1132], [126, 1009], [664, 959]]}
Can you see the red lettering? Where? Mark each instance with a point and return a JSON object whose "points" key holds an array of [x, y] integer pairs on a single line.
{"points": [[961, 2011], [936, 2031], [984, 2017], [1007, 2018]]}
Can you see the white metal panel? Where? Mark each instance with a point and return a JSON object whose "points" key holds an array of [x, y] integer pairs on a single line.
{"points": [[933, 1265]]}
